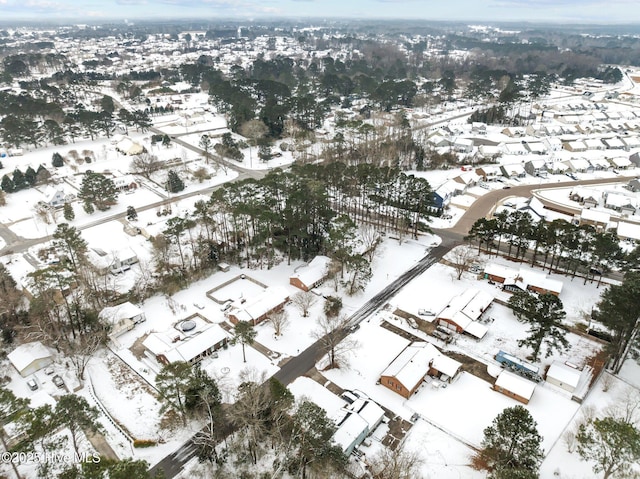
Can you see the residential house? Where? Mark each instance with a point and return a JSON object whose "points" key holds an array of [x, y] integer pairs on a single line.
{"points": [[578, 165], [30, 357], [489, 151], [621, 203], [594, 144], [634, 185], [552, 143], [115, 262], [620, 162], [407, 371], [522, 279], [463, 145], [311, 275], [514, 386], [185, 346], [535, 147], [613, 143], [463, 312], [598, 219], [635, 159], [356, 421], [515, 170], [536, 168], [56, 196], [122, 318], [513, 149], [628, 231], [258, 308], [588, 197], [128, 147], [600, 164], [125, 182], [575, 146], [489, 172]]}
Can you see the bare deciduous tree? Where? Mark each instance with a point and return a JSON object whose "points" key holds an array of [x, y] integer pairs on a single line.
{"points": [[145, 164], [461, 258], [398, 463], [303, 301], [370, 239], [279, 320], [331, 333]]}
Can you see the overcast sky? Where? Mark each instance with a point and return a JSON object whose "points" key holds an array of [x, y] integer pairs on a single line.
{"points": [[562, 11]]}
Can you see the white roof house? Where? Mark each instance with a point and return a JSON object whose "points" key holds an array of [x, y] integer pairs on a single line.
{"points": [[258, 308], [563, 376], [30, 357], [523, 279], [312, 274], [595, 217], [629, 230], [122, 318], [514, 386], [464, 310], [129, 147], [174, 346], [356, 422]]}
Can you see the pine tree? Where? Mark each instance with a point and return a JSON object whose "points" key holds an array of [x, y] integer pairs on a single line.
{"points": [[7, 184], [544, 315], [30, 175], [97, 190], [511, 445], [174, 182], [132, 214], [19, 181], [56, 160], [614, 445], [69, 215]]}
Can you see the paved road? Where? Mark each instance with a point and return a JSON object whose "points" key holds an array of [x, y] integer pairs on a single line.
{"points": [[485, 204], [299, 365]]}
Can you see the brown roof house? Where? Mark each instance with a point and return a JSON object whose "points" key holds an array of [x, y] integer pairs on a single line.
{"points": [[311, 275], [407, 371]]}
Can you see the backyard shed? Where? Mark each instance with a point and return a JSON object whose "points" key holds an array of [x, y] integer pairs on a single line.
{"points": [[563, 376]]}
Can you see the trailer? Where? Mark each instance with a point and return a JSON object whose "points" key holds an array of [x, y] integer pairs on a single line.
{"points": [[519, 366]]}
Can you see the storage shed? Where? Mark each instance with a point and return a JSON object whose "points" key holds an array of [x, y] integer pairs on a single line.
{"points": [[563, 376]]}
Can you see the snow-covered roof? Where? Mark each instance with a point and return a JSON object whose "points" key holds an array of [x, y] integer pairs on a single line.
{"points": [[515, 384], [621, 162], [564, 374], [629, 230], [315, 271], [176, 346], [524, 278], [26, 353], [465, 308], [588, 214], [130, 147], [349, 430], [412, 364], [261, 304], [114, 314], [618, 200]]}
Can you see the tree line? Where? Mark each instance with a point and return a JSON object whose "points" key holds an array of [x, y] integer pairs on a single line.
{"points": [[564, 247]]}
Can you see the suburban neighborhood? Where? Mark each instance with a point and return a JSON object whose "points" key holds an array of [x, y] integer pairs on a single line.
{"points": [[316, 249]]}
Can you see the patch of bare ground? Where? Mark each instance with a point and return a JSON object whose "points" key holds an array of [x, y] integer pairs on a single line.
{"points": [[137, 349], [472, 366], [126, 380]]}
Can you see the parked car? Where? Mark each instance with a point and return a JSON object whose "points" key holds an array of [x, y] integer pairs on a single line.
{"points": [[226, 306], [425, 312], [412, 322], [48, 371], [33, 385], [198, 305], [57, 380], [506, 187]]}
